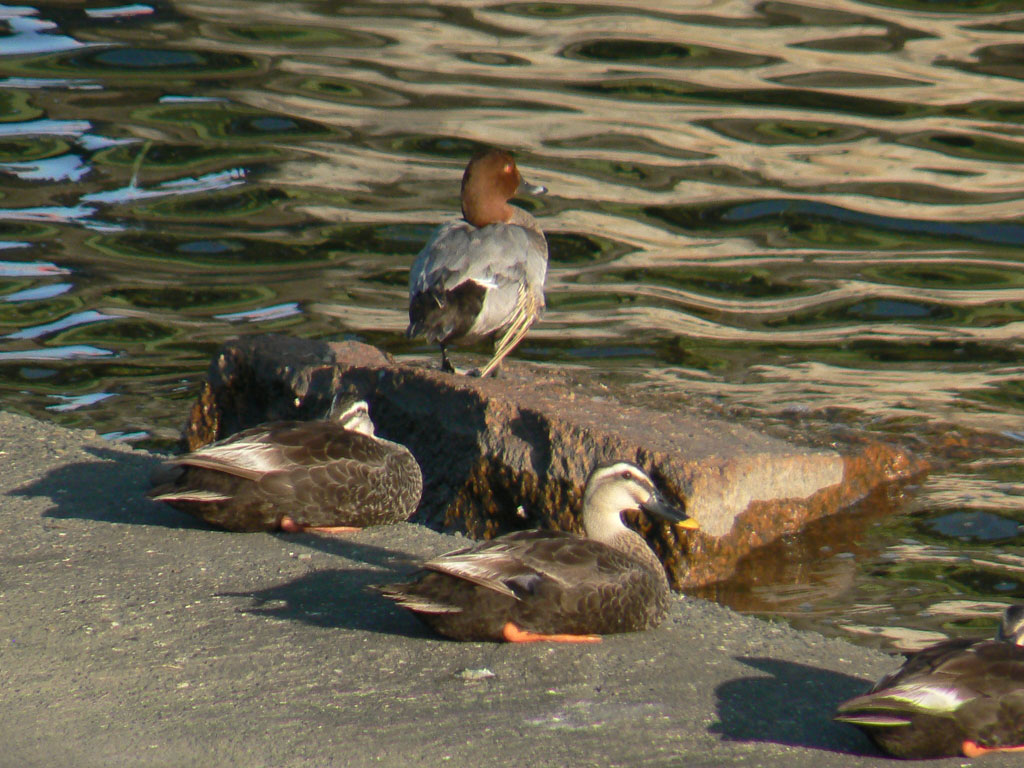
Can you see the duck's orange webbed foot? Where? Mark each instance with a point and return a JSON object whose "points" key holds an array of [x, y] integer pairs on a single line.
{"points": [[513, 634], [974, 749], [290, 526]]}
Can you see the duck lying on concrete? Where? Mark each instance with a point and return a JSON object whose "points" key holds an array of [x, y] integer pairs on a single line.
{"points": [[328, 476], [481, 276], [960, 697], [552, 585]]}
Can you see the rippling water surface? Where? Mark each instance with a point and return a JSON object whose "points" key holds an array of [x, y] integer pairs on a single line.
{"points": [[806, 214]]}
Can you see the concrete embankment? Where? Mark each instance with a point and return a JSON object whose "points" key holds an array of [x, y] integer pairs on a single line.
{"points": [[132, 635]]}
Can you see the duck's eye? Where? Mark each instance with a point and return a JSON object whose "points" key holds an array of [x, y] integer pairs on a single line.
{"points": [[508, 168], [627, 475]]}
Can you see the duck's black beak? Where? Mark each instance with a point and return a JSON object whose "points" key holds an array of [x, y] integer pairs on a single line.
{"points": [[657, 506], [526, 188]]}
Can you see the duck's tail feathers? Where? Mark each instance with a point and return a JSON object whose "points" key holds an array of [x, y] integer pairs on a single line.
{"points": [[525, 313], [419, 603], [188, 495], [872, 719]]}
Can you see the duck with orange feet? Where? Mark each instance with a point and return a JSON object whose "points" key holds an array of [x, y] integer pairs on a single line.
{"points": [[553, 586], [327, 476], [959, 697]]}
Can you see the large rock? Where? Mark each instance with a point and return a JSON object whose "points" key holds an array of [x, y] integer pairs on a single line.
{"points": [[515, 451]]}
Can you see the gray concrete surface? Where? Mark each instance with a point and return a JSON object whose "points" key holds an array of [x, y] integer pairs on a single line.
{"points": [[132, 635]]}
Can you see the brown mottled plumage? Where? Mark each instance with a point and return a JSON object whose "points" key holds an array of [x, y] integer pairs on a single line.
{"points": [[317, 473], [551, 582], [959, 697]]}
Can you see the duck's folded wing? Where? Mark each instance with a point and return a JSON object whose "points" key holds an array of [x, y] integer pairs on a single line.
{"points": [[894, 705], [492, 569], [520, 564], [261, 451], [251, 459], [490, 256], [319, 443], [511, 565]]}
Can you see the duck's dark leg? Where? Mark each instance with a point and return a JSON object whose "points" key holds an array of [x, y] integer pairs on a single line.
{"points": [[974, 749], [290, 526], [446, 364], [514, 634]]}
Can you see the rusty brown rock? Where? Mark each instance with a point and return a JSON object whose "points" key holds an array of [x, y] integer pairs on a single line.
{"points": [[514, 452]]}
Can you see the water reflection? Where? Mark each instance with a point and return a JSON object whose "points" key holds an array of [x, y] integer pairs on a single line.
{"points": [[45, 127], [207, 183], [75, 352], [72, 403], [68, 168], [71, 321], [806, 217], [262, 313], [28, 269], [136, 9], [29, 35]]}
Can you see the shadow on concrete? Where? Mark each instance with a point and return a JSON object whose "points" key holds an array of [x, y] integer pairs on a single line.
{"points": [[110, 490], [793, 706], [341, 598], [343, 545]]}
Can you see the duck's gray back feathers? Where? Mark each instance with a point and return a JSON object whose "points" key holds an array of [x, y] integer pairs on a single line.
{"points": [[468, 283]]}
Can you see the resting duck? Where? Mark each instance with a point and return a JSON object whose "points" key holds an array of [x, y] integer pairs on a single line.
{"points": [[326, 476], [551, 585], [481, 276], [960, 697]]}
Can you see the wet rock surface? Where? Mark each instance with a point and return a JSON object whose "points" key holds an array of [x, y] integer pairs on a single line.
{"points": [[515, 452], [132, 634]]}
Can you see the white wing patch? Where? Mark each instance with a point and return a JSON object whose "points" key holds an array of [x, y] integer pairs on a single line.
{"points": [[877, 720], [488, 569], [192, 495], [246, 458], [928, 696], [485, 282]]}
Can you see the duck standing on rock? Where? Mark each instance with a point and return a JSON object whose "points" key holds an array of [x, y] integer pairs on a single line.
{"points": [[960, 697], [327, 476], [552, 585], [481, 276]]}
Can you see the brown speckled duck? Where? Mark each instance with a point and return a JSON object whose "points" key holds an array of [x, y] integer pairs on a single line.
{"points": [[552, 585], [960, 697], [328, 476]]}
